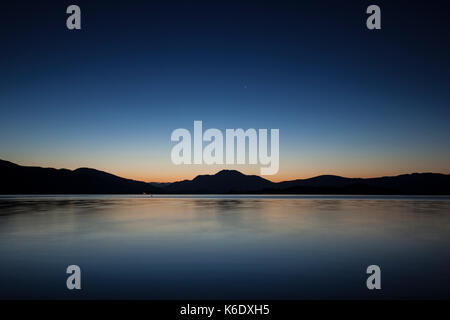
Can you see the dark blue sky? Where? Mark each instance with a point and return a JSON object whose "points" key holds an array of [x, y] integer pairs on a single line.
{"points": [[347, 100]]}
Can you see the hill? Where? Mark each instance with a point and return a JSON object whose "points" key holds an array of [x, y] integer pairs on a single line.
{"points": [[225, 181], [16, 179]]}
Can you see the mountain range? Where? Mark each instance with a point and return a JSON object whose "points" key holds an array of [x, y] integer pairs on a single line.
{"points": [[16, 179]]}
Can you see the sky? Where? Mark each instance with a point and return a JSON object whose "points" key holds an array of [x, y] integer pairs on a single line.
{"points": [[347, 100]]}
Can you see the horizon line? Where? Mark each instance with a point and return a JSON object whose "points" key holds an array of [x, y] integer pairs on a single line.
{"points": [[226, 169]]}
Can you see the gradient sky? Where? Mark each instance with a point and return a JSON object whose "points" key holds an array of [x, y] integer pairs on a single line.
{"points": [[347, 101]]}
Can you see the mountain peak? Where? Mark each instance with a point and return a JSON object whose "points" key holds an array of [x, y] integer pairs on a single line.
{"points": [[229, 173]]}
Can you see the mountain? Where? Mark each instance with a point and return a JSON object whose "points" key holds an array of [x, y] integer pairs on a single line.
{"points": [[231, 181], [415, 183], [225, 181], [17, 179]]}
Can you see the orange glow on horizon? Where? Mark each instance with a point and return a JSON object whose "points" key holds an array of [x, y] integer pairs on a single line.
{"points": [[159, 171], [165, 177]]}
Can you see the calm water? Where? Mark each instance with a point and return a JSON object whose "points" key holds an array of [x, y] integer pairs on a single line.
{"points": [[215, 247]]}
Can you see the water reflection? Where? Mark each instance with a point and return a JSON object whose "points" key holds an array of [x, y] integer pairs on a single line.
{"points": [[234, 247]]}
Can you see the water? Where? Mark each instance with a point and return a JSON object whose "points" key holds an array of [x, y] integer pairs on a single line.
{"points": [[233, 247]]}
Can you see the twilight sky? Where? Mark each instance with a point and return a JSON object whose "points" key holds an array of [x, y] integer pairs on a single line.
{"points": [[347, 101]]}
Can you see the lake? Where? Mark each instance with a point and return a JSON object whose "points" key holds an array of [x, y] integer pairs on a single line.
{"points": [[224, 247]]}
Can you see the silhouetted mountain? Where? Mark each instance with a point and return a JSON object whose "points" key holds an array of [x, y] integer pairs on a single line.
{"points": [[225, 181], [319, 181], [231, 181], [416, 183], [17, 179]]}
